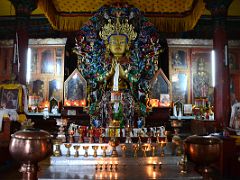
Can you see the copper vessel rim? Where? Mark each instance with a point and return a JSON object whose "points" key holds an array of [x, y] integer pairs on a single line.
{"points": [[203, 140], [30, 138], [31, 134]]}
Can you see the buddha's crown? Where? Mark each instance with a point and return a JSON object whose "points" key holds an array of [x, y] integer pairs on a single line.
{"points": [[118, 28]]}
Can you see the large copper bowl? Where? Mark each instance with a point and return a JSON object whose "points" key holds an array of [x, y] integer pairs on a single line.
{"points": [[202, 150], [29, 146]]}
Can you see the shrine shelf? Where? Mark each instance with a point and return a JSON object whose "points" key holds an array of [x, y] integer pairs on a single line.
{"points": [[158, 117]]}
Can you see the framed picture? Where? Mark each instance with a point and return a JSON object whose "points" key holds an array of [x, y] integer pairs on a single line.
{"points": [[9, 99], [37, 89], [12, 97], [187, 109], [179, 59], [75, 89], [180, 86], [201, 75], [71, 112], [164, 100]]}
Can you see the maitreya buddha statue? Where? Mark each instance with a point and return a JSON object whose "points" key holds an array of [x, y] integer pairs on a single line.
{"points": [[117, 38], [121, 70]]}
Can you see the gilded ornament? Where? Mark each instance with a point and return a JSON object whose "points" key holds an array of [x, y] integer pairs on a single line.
{"points": [[117, 28]]}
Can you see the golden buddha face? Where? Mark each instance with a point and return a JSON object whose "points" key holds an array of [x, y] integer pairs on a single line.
{"points": [[117, 44]]}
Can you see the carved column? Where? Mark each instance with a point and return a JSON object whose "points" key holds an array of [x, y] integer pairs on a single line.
{"points": [[222, 106], [23, 10]]}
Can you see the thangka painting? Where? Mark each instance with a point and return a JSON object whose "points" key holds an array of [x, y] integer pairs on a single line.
{"points": [[179, 59], [201, 75]]}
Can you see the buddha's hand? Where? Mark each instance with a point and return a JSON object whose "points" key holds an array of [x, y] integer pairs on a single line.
{"points": [[114, 62], [110, 73], [122, 73]]}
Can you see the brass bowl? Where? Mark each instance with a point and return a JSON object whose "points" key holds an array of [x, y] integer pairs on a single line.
{"points": [[30, 145], [202, 150]]}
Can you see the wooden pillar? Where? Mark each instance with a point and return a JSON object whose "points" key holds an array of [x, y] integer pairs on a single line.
{"points": [[23, 9], [222, 105]]}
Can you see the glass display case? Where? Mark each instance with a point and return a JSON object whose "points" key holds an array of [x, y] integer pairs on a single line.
{"points": [[202, 85], [160, 90], [46, 67], [75, 90]]}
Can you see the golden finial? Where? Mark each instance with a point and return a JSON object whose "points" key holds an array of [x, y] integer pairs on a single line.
{"points": [[118, 28]]}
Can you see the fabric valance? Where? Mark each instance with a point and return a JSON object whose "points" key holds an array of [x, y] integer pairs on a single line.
{"points": [[166, 15]]}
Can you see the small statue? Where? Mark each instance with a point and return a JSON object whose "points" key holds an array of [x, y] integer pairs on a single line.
{"points": [[178, 108], [45, 113]]}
